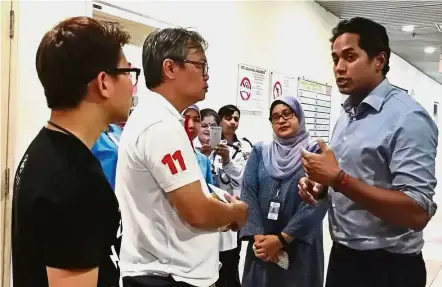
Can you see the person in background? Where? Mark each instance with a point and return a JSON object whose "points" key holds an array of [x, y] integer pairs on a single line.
{"points": [[105, 150], [192, 115], [65, 216], [380, 165], [171, 221], [229, 253], [271, 177], [209, 118], [230, 159]]}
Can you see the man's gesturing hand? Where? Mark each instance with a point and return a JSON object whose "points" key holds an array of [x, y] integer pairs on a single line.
{"points": [[309, 190], [321, 168]]}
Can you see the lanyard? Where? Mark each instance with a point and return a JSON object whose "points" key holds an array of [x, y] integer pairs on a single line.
{"points": [[113, 138], [278, 189], [61, 128]]}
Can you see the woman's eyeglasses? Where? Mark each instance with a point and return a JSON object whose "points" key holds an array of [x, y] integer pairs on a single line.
{"points": [[134, 73], [286, 115]]}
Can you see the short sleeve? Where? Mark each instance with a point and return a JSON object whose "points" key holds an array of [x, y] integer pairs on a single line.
{"points": [[168, 154], [72, 221], [413, 153]]}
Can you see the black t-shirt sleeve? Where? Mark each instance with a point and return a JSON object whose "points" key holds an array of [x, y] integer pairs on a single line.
{"points": [[70, 221]]}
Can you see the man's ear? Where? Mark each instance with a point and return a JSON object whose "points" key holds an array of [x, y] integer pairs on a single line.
{"points": [[169, 69], [103, 84], [381, 60]]}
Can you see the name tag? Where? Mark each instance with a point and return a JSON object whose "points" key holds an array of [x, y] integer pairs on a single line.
{"points": [[274, 210]]}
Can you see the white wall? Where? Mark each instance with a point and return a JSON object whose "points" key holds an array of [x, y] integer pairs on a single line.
{"points": [[30, 113]]}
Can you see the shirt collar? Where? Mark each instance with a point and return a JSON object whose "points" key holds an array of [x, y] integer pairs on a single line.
{"points": [[375, 98], [169, 107]]}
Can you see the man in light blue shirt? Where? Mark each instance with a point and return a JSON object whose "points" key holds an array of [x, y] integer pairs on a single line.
{"points": [[105, 150], [380, 167]]}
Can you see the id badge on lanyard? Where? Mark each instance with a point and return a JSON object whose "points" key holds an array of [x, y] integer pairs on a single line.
{"points": [[275, 205]]}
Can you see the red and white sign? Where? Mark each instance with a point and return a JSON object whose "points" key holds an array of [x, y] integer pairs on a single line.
{"points": [[250, 95], [281, 85], [277, 90], [245, 89]]}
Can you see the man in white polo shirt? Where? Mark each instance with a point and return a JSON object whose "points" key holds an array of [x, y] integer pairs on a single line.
{"points": [[171, 223]]}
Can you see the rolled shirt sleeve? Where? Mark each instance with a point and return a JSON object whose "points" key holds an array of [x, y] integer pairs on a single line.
{"points": [[413, 148]]}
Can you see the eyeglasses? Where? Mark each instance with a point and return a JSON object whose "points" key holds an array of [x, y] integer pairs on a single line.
{"points": [[134, 73], [285, 114], [202, 65]]}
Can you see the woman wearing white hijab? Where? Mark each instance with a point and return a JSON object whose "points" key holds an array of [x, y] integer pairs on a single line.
{"points": [[278, 218]]}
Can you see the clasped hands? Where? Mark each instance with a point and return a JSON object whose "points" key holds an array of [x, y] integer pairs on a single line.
{"points": [[267, 247]]}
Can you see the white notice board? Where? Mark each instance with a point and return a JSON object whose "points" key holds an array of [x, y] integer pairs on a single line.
{"points": [[250, 95], [281, 85], [316, 103]]}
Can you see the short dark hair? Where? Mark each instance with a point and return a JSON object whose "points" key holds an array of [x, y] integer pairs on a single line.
{"points": [[373, 38], [210, 113], [72, 53], [169, 43], [227, 111]]}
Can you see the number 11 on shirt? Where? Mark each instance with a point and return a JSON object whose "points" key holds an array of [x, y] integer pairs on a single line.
{"points": [[170, 160]]}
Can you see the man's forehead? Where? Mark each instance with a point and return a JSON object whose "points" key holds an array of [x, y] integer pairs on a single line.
{"points": [[346, 42], [197, 53]]}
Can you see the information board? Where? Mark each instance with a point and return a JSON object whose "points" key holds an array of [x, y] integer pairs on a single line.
{"points": [[316, 103]]}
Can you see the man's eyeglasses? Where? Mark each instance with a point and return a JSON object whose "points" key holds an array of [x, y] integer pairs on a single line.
{"points": [[286, 115], [202, 65], [134, 73]]}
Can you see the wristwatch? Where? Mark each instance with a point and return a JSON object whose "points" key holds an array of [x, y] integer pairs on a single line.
{"points": [[282, 239]]}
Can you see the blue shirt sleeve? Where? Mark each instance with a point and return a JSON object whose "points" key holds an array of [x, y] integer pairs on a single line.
{"points": [[209, 175], [412, 157], [250, 195], [306, 220], [106, 151]]}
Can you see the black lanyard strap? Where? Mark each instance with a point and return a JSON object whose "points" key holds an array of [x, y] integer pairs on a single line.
{"points": [[61, 128]]}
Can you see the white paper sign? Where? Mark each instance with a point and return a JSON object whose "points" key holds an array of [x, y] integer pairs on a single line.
{"points": [[316, 102], [281, 85], [250, 95]]}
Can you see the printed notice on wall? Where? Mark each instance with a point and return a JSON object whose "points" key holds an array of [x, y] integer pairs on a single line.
{"points": [[281, 85], [316, 103], [250, 95]]}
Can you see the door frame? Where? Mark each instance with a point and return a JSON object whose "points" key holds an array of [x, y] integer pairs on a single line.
{"points": [[8, 66]]}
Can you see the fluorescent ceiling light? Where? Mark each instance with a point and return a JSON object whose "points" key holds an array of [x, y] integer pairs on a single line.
{"points": [[429, 50], [408, 28]]}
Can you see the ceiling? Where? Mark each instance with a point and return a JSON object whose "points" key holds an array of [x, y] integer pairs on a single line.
{"points": [[395, 14]]}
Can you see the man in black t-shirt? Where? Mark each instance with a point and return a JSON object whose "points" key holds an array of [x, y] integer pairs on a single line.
{"points": [[66, 223]]}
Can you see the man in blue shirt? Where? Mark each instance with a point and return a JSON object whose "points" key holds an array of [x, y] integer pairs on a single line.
{"points": [[105, 150], [380, 166]]}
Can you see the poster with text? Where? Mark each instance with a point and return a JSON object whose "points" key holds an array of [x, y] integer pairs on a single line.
{"points": [[250, 95], [316, 102], [281, 85]]}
